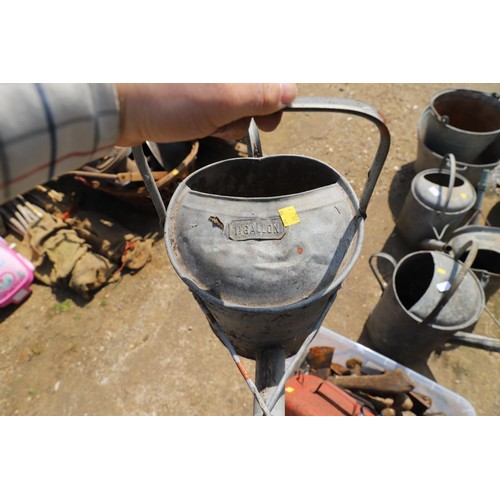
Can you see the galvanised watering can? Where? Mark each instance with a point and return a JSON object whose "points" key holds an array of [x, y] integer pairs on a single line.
{"points": [[430, 297], [265, 242], [439, 201]]}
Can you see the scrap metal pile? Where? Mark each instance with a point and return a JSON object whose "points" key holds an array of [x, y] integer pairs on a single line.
{"points": [[326, 388], [118, 175]]}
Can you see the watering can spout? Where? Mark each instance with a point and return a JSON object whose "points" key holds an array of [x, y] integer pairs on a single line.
{"points": [[434, 244]]}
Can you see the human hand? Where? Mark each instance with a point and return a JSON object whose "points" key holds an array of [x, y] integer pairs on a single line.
{"points": [[170, 112]]}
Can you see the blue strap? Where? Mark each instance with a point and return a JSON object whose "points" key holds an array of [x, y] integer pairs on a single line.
{"points": [[52, 129]]}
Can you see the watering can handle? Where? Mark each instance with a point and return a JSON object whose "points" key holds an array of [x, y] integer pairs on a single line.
{"points": [[338, 105], [449, 159], [471, 257], [383, 255], [357, 108]]}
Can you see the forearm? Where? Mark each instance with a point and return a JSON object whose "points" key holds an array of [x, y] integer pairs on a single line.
{"points": [[47, 129]]}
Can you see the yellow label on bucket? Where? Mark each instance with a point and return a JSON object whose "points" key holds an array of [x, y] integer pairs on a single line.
{"points": [[289, 216], [440, 270], [464, 196]]}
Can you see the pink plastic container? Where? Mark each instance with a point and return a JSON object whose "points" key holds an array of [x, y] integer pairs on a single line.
{"points": [[16, 275]]}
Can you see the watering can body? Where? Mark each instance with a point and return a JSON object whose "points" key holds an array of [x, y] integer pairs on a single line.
{"points": [[430, 297], [265, 242], [438, 201], [264, 281]]}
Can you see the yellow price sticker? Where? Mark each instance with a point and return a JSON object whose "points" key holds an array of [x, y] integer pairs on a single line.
{"points": [[289, 216], [440, 270], [289, 389], [464, 196]]}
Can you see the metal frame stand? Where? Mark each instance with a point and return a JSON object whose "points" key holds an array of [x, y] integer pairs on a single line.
{"points": [[271, 371]]}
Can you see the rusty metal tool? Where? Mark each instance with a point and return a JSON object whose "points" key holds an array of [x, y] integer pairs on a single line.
{"points": [[320, 356], [319, 359], [393, 382]]}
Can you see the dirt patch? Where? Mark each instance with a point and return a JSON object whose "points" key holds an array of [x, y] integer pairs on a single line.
{"points": [[141, 346]]}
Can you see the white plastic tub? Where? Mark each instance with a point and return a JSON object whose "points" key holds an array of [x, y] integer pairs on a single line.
{"points": [[443, 400]]}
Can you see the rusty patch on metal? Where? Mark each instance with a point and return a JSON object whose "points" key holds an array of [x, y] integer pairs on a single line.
{"points": [[216, 222]]}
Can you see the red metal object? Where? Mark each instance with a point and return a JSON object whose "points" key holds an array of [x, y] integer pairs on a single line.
{"points": [[307, 395]]}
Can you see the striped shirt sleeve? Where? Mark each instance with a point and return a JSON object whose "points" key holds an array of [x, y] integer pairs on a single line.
{"points": [[47, 129]]}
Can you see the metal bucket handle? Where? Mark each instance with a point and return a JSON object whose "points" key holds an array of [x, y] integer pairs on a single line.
{"points": [[386, 256], [445, 119], [338, 105]]}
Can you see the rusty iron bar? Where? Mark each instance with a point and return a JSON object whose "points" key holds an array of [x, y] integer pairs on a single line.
{"points": [[393, 382]]}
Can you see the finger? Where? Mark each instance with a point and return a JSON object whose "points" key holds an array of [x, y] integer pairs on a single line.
{"points": [[268, 123], [239, 128], [228, 103], [233, 131], [265, 98]]}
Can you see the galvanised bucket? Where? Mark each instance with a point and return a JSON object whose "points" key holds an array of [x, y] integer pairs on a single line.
{"points": [[439, 201], [431, 296], [266, 242], [464, 122], [428, 157]]}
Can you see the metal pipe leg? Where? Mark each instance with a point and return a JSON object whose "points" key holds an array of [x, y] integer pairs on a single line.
{"points": [[269, 369]]}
